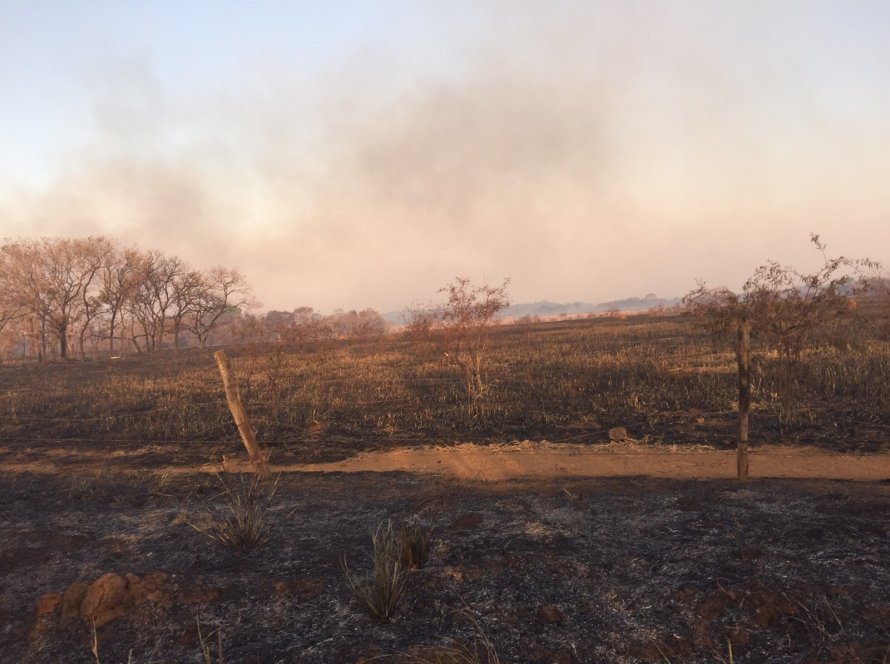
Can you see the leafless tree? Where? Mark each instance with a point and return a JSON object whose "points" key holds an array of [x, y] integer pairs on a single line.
{"points": [[12, 305], [25, 290], [152, 301], [48, 280], [419, 323], [465, 322], [189, 290], [94, 254], [247, 328], [118, 283], [224, 291], [784, 308], [790, 307]]}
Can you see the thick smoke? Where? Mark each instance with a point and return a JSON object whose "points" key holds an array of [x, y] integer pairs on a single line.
{"points": [[586, 151]]}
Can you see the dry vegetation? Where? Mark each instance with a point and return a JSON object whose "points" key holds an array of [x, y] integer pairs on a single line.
{"points": [[570, 571], [658, 376]]}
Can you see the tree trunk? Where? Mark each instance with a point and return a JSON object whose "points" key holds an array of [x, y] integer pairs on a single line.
{"points": [[41, 342], [743, 352], [62, 331], [111, 334]]}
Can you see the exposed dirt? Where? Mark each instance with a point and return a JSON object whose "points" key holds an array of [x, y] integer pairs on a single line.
{"points": [[555, 566], [499, 462], [543, 460]]}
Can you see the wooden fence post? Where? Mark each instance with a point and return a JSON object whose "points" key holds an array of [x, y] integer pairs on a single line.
{"points": [[743, 352], [259, 454]]}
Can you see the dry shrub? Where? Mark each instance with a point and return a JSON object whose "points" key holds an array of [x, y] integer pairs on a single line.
{"points": [[241, 521], [415, 542], [480, 651], [160, 484], [381, 589]]}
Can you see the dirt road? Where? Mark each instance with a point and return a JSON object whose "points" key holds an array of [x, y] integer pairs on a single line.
{"points": [[495, 463], [540, 460]]}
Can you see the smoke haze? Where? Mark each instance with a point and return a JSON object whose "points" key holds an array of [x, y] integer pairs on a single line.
{"points": [[589, 151]]}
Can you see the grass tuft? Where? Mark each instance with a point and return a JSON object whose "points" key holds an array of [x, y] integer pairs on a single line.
{"points": [[381, 589], [415, 542], [205, 642], [242, 520], [480, 651]]}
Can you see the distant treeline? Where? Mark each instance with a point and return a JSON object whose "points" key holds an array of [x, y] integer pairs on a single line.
{"points": [[305, 324], [92, 296]]}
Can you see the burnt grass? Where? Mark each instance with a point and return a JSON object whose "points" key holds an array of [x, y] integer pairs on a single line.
{"points": [[578, 570], [581, 570], [659, 376]]}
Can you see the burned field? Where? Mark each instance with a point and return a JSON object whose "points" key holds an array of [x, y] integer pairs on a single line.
{"points": [[661, 377], [583, 570], [108, 502]]}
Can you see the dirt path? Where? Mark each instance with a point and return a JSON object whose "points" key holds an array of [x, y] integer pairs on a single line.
{"points": [[545, 460], [523, 460]]}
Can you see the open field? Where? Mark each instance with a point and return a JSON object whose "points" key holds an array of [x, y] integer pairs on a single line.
{"points": [[572, 550], [659, 377]]}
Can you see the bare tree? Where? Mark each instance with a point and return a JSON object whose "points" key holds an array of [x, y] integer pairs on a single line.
{"points": [[25, 290], [152, 301], [189, 289], [12, 305], [789, 307], [225, 290], [9, 312], [94, 253], [248, 329], [118, 279], [306, 324], [48, 279], [785, 308], [465, 321], [419, 322], [64, 280]]}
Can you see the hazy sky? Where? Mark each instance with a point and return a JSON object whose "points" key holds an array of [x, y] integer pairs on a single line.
{"points": [[354, 154]]}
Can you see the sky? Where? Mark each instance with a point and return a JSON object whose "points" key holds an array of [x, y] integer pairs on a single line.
{"points": [[364, 154]]}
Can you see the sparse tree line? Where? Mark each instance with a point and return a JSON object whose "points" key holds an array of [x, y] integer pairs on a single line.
{"points": [[305, 324], [61, 296]]}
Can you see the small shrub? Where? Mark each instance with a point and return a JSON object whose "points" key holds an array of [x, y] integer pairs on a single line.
{"points": [[241, 522], [90, 486], [381, 590], [160, 484], [415, 542], [480, 651]]}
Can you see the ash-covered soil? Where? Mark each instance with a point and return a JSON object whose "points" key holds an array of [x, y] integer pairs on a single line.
{"points": [[568, 570]]}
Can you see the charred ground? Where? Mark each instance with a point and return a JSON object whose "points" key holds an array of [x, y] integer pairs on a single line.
{"points": [[564, 570]]}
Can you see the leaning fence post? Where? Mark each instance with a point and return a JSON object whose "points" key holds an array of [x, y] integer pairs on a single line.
{"points": [[258, 453]]}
